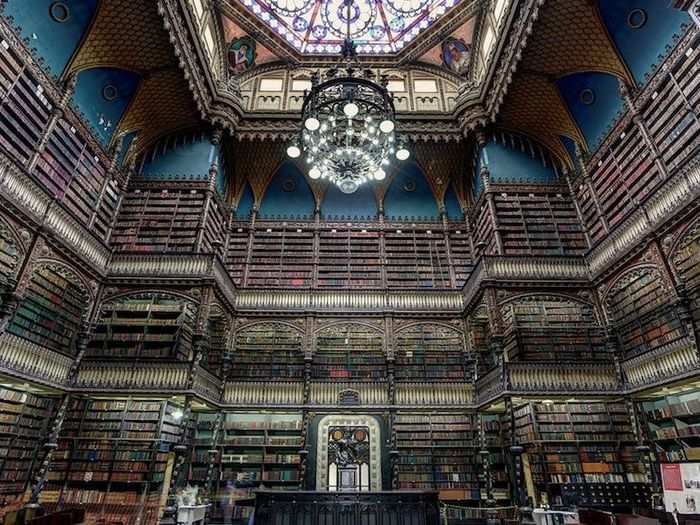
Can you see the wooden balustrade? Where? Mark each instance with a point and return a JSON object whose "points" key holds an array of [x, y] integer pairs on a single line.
{"points": [[19, 357]]}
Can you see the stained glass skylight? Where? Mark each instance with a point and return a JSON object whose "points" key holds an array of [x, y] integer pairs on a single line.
{"points": [[377, 26]]}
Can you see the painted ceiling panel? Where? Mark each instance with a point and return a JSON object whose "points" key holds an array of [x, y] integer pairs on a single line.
{"points": [[377, 26]]}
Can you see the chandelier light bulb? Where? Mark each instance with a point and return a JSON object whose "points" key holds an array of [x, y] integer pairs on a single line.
{"points": [[312, 124], [315, 173], [294, 152], [403, 154], [350, 109], [386, 126], [380, 174]]}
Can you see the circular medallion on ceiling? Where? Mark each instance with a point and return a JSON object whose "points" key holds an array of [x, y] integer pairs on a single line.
{"points": [[376, 32], [397, 24], [110, 92], [291, 7], [319, 32], [406, 7], [409, 185], [300, 24], [59, 12], [637, 18], [362, 15], [289, 185], [587, 96]]}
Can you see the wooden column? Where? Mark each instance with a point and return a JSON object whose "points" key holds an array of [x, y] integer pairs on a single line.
{"points": [[251, 241], [579, 213], [50, 445], [642, 127], [180, 449], [589, 184], [56, 115], [211, 188], [448, 247], [486, 180]]}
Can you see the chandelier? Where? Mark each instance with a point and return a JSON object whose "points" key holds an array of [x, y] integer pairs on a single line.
{"points": [[348, 132]]}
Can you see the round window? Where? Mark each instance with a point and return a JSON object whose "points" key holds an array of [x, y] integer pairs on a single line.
{"points": [[59, 12], [110, 92], [409, 185], [289, 185], [587, 96], [637, 18]]}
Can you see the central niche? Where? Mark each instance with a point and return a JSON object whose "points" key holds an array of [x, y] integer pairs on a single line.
{"points": [[348, 454], [348, 458]]}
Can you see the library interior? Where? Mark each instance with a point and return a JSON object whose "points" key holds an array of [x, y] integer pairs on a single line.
{"points": [[349, 262]]}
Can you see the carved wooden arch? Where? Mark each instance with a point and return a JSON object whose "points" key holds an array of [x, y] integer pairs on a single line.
{"points": [[216, 310], [136, 150], [375, 195], [83, 38], [480, 310], [565, 162], [172, 293], [619, 282], [349, 323], [554, 295], [413, 324], [381, 189], [628, 78], [8, 232], [138, 146], [582, 138], [457, 331], [257, 322], [689, 234], [118, 131], [68, 271]]}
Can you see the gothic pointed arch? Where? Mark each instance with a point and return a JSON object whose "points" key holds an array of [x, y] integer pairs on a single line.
{"points": [[410, 194]]}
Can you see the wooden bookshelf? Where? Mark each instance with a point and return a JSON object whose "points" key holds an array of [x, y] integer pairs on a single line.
{"points": [[349, 352], [218, 341], [25, 111], [495, 429], [538, 220], [262, 449], [52, 310], [146, 326], [438, 451], [431, 352], [349, 257], [267, 351], [282, 256], [484, 238], [552, 329], [24, 426], [670, 115], [582, 453], [155, 220], [215, 225], [237, 250], [480, 333], [416, 257], [687, 262], [644, 315], [460, 250], [112, 459], [673, 425]]}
